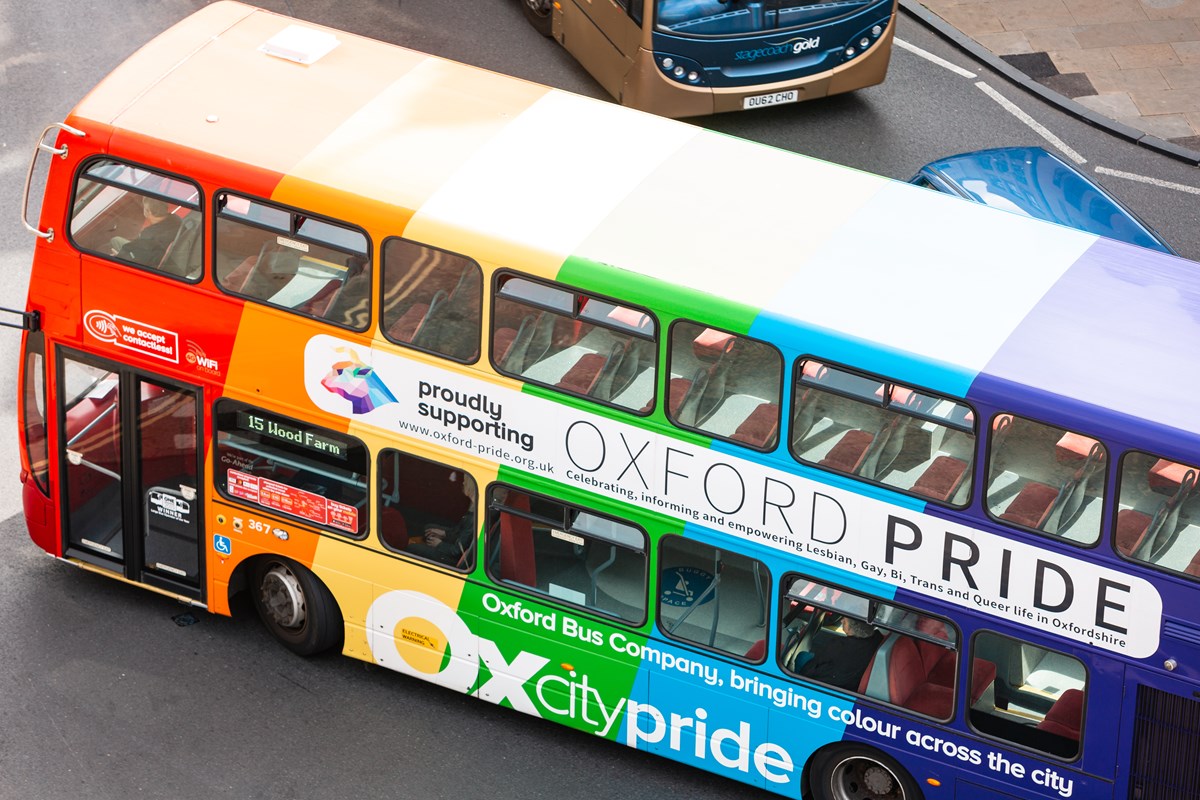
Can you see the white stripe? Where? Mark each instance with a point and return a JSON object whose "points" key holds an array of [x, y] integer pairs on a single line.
{"points": [[928, 56], [1129, 176], [550, 176], [1039, 129]]}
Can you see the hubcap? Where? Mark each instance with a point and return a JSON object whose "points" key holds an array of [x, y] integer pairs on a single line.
{"points": [[865, 779], [282, 597]]}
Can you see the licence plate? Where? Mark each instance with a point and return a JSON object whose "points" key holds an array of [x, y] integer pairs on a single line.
{"points": [[772, 99]]}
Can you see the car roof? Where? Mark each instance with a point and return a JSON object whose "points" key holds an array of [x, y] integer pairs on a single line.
{"points": [[1037, 183]]}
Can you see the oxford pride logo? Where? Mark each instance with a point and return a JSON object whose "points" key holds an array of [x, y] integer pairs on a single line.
{"points": [[355, 380]]}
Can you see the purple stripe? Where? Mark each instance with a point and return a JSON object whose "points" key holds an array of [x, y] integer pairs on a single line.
{"points": [[1120, 330]]}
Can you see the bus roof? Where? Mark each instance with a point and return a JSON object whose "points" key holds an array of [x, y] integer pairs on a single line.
{"points": [[851, 266]]}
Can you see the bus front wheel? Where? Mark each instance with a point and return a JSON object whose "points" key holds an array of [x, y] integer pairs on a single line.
{"points": [[538, 14], [855, 772], [296, 607]]}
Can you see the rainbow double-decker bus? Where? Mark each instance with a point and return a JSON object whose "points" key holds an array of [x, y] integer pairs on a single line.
{"points": [[857, 492]]}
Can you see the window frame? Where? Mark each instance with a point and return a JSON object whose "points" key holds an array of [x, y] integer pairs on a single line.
{"points": [[383, 288], [380, 505], [670, 355], [1102, 495], [226, 407], [502, 276], [220, 202], [886, 404], [762, 572], [972, 714], [198, 207], [873, 605], [491, 533]]}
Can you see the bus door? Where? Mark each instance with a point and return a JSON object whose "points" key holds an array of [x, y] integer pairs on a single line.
{"points": [[130, 472], [603, 37], [1160, 736]]}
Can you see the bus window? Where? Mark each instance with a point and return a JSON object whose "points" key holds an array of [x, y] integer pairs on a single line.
{"points": [[713, 597], [1046, 479], [292, 468], [573, 342], [293, 260], [431, 299], [868, 647], [427, 509], [883, 432], [140, 217], [1033, 697], [724, 385], [1156, 523], [567, 553], [33, 410]]}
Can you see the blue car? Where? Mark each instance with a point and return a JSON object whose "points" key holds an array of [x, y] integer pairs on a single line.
{"points": [[1039, 184]]}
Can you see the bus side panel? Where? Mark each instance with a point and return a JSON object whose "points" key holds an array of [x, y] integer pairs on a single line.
{"points": [[587, 40]]}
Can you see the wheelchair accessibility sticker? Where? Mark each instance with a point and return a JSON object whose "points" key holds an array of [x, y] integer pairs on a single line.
{"points": [[222, 544]]}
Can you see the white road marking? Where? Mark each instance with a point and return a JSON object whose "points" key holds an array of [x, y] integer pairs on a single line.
{"points": [[928, 56], [1038, 128], [1129, 176]]}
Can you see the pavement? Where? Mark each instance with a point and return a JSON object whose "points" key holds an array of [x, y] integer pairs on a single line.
{"points": [[1131, 66]]}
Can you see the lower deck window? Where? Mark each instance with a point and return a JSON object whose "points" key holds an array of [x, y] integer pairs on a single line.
{"points": [[427, 509], [290, 467], [871, 648], [712, 597], [1036, 699], [567, 553]]}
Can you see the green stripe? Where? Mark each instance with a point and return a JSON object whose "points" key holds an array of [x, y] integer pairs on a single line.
{"points": [[670, 301]]}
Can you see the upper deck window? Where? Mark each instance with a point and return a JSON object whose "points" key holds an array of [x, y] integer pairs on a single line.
{"points": [[1046, 479], [1158, 520], [432, 300], [724, 385], [293, 260], [139, 216], [574, 342], [884, 432]]}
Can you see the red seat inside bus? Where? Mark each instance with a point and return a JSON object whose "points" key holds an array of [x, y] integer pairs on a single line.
{"points": [[584, 374], [1032, 505], [760, 428], [850, 451], [1065, 717], [941, 479], [920, 675], [516, 543]]}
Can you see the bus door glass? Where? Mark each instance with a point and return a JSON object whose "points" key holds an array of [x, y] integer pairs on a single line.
{"points": [[603, 38], [1160, 735], [131, 473]]}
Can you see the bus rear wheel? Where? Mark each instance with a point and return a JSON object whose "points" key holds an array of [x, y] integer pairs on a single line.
{"points": [[538, 14], [296, 607], [855, 772]]}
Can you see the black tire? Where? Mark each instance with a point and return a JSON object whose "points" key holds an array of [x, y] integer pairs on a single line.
{"points": [[296, 607], [538, 14], [857, 772]]}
